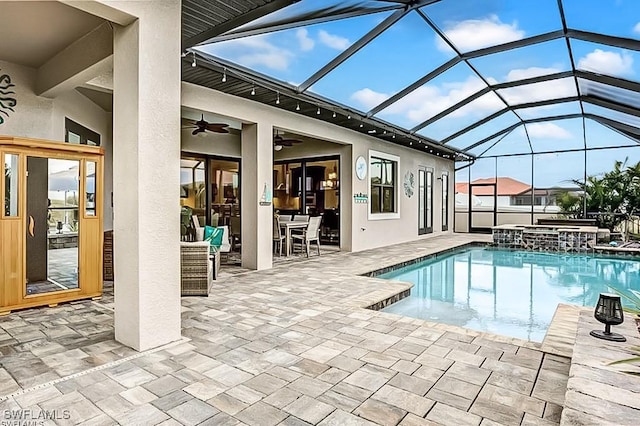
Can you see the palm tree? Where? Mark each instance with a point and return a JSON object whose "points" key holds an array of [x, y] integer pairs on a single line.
{"points": [[614, 196]]}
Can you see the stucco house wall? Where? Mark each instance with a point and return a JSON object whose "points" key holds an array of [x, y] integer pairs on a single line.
{"points": [[359, 231]]}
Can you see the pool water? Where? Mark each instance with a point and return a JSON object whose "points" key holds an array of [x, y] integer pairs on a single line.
{"points": [[512, 293]]}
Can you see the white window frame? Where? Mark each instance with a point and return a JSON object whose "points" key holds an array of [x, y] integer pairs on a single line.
{"points": [[396, 184]]}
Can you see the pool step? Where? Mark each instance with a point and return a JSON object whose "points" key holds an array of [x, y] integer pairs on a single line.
{"points": [[561, 334]]}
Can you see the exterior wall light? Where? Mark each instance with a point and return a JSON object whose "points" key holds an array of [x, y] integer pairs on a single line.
{"points": [[609, 312]]}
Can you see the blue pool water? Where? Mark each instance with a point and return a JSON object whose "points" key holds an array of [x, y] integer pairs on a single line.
{"points": [[512, 293]]}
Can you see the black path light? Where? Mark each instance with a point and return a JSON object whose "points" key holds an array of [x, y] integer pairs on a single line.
{"points": [[609, 312]]}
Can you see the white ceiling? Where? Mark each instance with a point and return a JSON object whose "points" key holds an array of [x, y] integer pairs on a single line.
{"points": [[57, 24]]}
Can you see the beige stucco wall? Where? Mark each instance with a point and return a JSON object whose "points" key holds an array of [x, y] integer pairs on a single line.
{"points": [[43, 118], [358, 232], [226, 145]]}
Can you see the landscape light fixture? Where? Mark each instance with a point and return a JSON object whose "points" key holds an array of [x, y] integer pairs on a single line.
{"points": [[609, 312]]}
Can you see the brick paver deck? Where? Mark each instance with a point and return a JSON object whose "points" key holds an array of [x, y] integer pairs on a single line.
{"points": [[291, 346]]}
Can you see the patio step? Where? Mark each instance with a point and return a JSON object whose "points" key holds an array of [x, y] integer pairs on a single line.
{"points": [[561, 334]]}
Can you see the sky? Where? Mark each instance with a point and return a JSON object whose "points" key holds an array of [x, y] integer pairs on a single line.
{"points": [[411, 48]]}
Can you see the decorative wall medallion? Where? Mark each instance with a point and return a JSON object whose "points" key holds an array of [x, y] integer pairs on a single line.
{"points": [[7, 102], [361, 168], [409, 183]]}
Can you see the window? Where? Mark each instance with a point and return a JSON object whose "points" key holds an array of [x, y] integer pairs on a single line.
{"points": [[78, 134], [11, 185], [90, 188], [383, 170], [445, 201]]}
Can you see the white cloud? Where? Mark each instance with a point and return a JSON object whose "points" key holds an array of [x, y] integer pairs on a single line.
{"points": [[333, 41], [429, 100], [523, 73], [554, 89], [368, 98], [259, 51], [306, 42], [636, 28], [548, 131], [607, 62], [477, 33]]}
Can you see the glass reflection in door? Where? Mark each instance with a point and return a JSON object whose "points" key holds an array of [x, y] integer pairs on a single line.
{"points": [[53, 221]]}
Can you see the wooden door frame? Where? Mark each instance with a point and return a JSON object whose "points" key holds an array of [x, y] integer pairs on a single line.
{"points": [[25, 147]]}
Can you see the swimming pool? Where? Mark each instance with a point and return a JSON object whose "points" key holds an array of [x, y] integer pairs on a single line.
{"points": [[512, 293]]}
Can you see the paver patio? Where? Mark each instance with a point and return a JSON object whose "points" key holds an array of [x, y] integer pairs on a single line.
{"points": [[291, 345]]}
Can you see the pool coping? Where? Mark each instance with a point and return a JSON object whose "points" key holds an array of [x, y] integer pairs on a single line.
{"points": [[377, 272], [548, 342]]}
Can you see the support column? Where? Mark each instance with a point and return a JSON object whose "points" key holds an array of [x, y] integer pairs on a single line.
{"points": [[146, 161], [257, 173]]}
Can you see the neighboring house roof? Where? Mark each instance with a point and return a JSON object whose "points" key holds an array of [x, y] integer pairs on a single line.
{"points": [[505, 186]]}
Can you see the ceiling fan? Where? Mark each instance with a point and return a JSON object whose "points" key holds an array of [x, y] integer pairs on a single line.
{"points": [[202, 126], [279, 142]]}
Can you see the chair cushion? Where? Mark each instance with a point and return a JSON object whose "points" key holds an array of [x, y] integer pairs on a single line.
{"points": [[213, 235]]}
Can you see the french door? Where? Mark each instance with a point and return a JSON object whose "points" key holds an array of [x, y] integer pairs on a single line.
{"points": [[50, 223], [425, 200]]}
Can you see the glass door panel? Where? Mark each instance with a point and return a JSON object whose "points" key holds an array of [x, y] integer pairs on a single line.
{"points": [[53, 198], [445, 201], [425, 201], [11, 185]]}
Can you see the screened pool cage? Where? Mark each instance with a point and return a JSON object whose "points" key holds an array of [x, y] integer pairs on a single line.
{"points": [[532, 97]]}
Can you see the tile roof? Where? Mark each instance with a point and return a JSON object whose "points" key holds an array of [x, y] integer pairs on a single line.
{"points": [[505, 186]]}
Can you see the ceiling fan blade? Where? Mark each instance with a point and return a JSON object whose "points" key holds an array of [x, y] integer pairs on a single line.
{"points": [[217, 128], [290, 141], [198, 130]]}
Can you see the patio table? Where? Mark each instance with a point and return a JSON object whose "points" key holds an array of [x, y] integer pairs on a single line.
{"points": [[288, 225]]}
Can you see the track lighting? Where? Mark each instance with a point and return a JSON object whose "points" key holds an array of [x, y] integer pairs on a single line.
{"points": [[277, 98], [253, 90], [297, 106], [224, 75], [193, 64]]}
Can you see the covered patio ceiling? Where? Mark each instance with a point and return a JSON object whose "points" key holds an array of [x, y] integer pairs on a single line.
{"points": [[457, 78]]}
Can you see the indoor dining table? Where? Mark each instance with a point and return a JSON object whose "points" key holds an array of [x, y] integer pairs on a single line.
{"points": [[288, 225]]}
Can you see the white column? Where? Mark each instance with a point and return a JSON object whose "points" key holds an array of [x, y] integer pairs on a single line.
{"points": [[146, 161], [256, 173]]}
